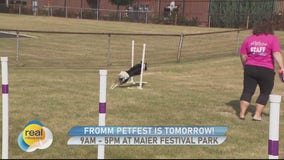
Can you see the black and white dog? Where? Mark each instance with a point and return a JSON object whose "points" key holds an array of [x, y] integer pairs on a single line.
{"points": [[124, 76]]}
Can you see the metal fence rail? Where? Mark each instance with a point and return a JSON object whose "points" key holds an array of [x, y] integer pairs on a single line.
{"points": [[113, 49]]}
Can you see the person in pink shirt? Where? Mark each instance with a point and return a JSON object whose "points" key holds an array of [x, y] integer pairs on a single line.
{"points": [[258, 53]]}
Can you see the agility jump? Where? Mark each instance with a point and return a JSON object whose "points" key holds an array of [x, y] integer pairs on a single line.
{"points": [[274, 115], [5, 108], [102, 108]]}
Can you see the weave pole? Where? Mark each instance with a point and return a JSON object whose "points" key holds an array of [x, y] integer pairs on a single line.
{"points": [[5, 106], [142, 67], [274, 116], [132, 59], [102, 108]]}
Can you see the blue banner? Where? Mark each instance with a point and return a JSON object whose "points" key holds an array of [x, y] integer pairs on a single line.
{"points": [[148, 131]]}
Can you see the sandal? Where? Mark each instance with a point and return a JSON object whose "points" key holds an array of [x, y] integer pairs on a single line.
{"points": [[242, 117], [256, 119]]}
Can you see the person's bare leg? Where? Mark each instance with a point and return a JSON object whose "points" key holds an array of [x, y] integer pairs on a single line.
{"points": [[258, 112], [243, 108]]}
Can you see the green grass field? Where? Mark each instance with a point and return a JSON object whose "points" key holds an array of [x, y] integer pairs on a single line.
{"points": [[57, 83]]}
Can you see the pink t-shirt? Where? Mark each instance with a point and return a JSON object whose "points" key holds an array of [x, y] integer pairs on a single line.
{"points": [[259, 49]]}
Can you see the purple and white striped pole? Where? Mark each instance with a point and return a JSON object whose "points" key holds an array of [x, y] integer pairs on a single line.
{"points": [[5, 106], [102, 108], [274, 116]]}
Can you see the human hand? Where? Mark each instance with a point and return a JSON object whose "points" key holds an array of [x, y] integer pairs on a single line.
{"points": [[281, 74]]}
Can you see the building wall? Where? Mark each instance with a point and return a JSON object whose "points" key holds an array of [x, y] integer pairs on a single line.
{"points": [[105, 4], [189, 9], [199, 10], [69, 3]]}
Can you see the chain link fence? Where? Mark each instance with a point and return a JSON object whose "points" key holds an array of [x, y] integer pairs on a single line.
{"points": [[211, 13]]}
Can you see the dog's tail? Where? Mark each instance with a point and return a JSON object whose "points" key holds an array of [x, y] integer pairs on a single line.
{"points": [[114, 85]]}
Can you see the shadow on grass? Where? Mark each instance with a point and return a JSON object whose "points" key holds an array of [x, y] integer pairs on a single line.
{"points": [[132, 85], [235, 104]]}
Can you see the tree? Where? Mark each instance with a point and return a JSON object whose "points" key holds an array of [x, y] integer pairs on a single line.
{"points": [[93, 3], [235, 13], [119, 3]]}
